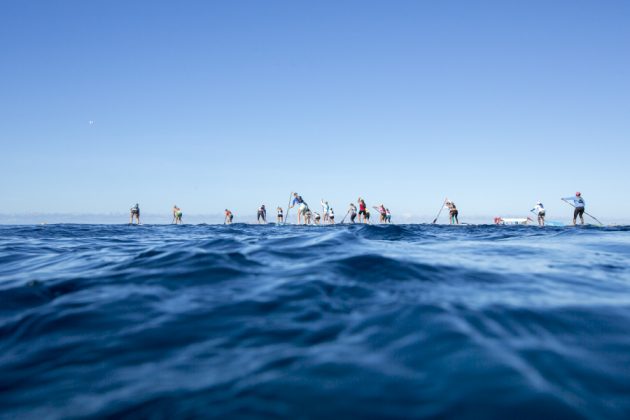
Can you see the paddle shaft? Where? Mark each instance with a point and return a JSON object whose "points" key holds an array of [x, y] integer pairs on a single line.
{"points": [[440, 212], [286, 216], [344, 217]]}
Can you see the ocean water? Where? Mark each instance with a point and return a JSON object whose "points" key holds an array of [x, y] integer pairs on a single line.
{"points": [[399, 321]]}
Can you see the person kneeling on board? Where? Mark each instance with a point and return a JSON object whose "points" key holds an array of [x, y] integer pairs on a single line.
{"points": [[579, 204]]}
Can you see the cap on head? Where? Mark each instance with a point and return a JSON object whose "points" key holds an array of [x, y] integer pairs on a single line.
{"points": [[577, 194]]}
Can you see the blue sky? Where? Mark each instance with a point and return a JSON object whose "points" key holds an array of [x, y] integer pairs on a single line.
{"points": [[230, 104]]}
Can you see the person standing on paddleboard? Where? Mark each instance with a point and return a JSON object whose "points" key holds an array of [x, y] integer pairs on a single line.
{"points": [[134, 212], [302, 207], [262, 214], [353, 212], [363, 211], [539, 209], [325, 210], [280, 216], [388, 216], [453, 212], [382, 213], [177, 215], [229, 216], [579, 204]]}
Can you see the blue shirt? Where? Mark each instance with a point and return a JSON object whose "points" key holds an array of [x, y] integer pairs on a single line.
{"points": [[577, 201]]}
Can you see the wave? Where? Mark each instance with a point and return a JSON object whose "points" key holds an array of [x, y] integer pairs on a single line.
{"points": [[286, 321]]}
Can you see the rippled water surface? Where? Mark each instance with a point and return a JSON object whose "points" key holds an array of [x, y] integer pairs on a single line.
{"points": [[289, 321]]}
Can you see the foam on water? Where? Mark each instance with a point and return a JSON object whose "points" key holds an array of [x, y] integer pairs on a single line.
{"points": [[369, 321]]}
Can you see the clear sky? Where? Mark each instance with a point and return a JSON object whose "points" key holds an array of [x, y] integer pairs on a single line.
{"points": [[215, 104]]}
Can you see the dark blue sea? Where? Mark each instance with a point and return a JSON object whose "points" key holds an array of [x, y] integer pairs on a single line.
{"points": [[243, 321]]}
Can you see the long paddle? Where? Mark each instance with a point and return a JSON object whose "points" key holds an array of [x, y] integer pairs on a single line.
{"points": [[440, 212], [589, 215], [344, 217]]}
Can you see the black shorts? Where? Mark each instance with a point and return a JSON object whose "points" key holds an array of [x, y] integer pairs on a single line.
{"points": [[541, 214], [353, 216], [362, 212], [579, 211], [454, 213]]}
